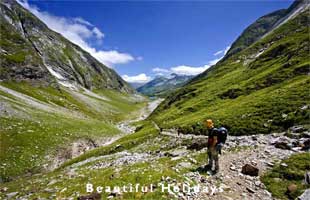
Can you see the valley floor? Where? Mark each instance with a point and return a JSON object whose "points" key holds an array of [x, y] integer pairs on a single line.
{"points": [[164, 159], [128, 149]]}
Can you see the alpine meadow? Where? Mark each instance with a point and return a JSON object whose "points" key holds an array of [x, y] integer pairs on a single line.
{"points": [[72, 127]]}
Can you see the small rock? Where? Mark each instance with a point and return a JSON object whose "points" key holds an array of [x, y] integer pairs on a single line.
{"points": [[270, 164], [283, 165], [203, 180], [277, 179], [257, 183], [305, 107], [52, 182], [284, 115], [253, 162], [297, 129], [49, 190], [248, 169], [94, 196], [224, 187], [250, 190], [254, 138], [193, 160], [296, 149], [233, 168], [177, 152], [4, 189], [11, 195], [184, 165]]}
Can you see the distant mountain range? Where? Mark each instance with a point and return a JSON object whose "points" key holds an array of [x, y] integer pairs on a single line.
{"points": [[161, 85]]}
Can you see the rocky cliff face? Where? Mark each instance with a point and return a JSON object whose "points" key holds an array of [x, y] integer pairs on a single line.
{"points": [[31, 51], [264, 25]]}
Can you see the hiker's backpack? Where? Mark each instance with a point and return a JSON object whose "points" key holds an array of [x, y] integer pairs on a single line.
{"points": [[222, 135]]}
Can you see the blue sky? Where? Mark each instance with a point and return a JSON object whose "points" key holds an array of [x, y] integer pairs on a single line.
{"points": [[143, 39]]}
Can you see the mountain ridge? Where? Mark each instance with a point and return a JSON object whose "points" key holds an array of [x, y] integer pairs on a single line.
{"points": [[243, 90], [162, 85], [53, 58]]}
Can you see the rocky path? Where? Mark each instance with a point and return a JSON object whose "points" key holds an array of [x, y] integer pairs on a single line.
{"points": [[126, 126], [257, 151], [260, 151]]}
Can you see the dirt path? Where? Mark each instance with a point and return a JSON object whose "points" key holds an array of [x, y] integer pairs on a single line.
{"points": [[236, 185], [258, 150], [126, 126]]}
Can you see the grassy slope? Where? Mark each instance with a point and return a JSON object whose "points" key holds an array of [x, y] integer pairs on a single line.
{"points": [[27, 137], [279, 178], [248, 94], [144, 173]]}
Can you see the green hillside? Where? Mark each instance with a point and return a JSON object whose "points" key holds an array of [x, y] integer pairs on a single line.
{"points": [[38, 123], [262, 88], [56, 100]]}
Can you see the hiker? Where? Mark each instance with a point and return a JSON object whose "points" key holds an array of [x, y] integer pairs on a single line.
{"points": [[216, 140]]}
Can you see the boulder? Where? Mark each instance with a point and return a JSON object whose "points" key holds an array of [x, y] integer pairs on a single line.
{"points": [[11, 195], [93, 196], [297, 129], [248, 169], [306, 145], [305, 135], [281, 144]]}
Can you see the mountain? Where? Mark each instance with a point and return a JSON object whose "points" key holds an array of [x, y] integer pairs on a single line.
{"points": [[136, 85], [264, 25], [259, 87], [161, 86], [56, 100], [31, 51]]}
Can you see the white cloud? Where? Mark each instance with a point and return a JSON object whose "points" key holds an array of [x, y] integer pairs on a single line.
{"points": [[82, 21], [188, 70], [79, 31], [160, 70], [141, 78], [98, 33]]}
